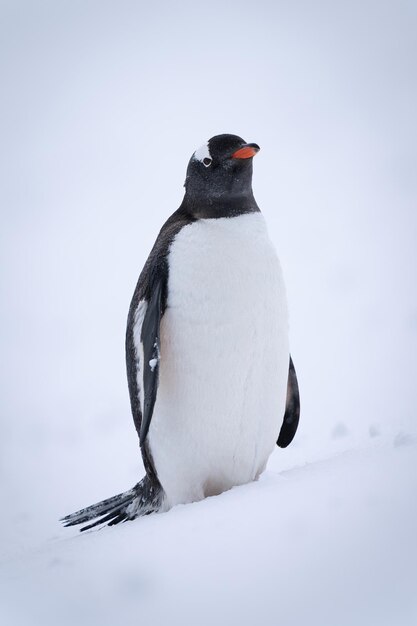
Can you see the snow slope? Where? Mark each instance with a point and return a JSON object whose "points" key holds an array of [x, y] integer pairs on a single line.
{"points": [[331, 542]]}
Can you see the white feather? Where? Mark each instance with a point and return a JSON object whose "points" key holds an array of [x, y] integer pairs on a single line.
{"points": [[137, 329], [202, 152], [224, 359]]}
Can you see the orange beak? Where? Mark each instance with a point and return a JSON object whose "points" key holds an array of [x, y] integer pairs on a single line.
{"points": [[246, 152]]}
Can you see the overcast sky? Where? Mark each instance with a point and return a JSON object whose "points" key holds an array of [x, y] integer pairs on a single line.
{"points": [[103, 104]]}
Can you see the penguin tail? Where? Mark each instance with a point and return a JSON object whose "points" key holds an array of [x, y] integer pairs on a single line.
{"points": [[144, 498]]}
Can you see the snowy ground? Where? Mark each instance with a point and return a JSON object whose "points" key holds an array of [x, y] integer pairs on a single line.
{"points": [[102, 105], [331, 542]]}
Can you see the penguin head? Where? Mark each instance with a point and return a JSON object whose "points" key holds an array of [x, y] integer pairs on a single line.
{"points": [[219, 177]]}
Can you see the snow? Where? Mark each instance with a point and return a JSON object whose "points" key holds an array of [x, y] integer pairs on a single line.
{"points": [[153, 363], [100, 110], [324, 543]]}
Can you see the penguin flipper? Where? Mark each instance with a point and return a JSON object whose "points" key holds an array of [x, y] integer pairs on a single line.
{"points": [[292, 410], [151, 342]]}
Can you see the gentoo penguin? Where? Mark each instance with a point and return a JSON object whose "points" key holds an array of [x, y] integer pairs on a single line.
{"points": [[211, 381]]}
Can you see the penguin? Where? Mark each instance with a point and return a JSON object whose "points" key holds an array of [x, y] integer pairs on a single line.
{"points": [[211, 381]]}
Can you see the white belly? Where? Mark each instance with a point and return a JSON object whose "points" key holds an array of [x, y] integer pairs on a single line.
{"points": [[224, 359]]}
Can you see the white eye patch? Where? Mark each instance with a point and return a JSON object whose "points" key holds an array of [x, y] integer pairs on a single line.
{"points": [[203, 154]]}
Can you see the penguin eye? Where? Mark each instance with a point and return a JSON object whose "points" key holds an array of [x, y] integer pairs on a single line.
{"points": [[207, 161]]}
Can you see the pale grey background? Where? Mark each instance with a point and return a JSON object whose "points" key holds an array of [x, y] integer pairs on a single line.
{"points": [[102, 105]]}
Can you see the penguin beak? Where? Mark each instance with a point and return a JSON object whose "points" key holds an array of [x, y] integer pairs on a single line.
{"points": [[247, 152]]}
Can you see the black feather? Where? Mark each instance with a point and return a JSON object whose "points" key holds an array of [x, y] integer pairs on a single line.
{"points": [[292, 410]]}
